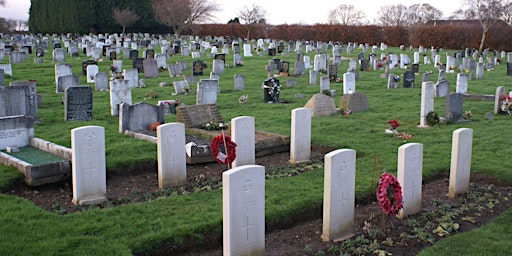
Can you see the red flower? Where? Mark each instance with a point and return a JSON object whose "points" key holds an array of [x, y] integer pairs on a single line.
{"points": [[389, 194], [393, 123], [226, 157]]}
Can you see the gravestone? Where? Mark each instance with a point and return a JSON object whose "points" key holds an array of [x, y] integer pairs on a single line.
{"points": [[480, 71], [271, 90], [307, 62], [85, 64], [284, 68], [349, 83], [214, 76], [365, 65], [442, 88], [325, 84], [300, 68], [243, 207], [321, 105], [333, 73], [220, 56], [392, 82], [300, 139], [416, 68], [92, 70], [78, 103], [62, 70], [138, 63], [161, 61], [460, 166], [7, 68], [408, 79], [101, 81], [150, 54], [409, 175], [197, 68], [140, 116], [64, 82], [181, 87], [16, 131], [218, 66], [59, 55], [134, 54], [174, 70], [120, 92], [195, 116], [243, 134], [150, 67], [462, 83], [509, 68], [320, 62], [312, 77], [19, 98], [131, 76], [425, 77], [454, 107], [339, 194], [356, 102], [239, 82], [500, 92], [17, 57], [207, 91], [427, 102], [89, 175], [237, 60], [172, 164]]}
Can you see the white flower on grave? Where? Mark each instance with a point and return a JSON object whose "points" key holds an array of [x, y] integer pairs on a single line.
{"points": [[243, 99]]}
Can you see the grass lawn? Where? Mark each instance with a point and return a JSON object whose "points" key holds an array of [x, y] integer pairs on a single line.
{"points": [[138, 228]]}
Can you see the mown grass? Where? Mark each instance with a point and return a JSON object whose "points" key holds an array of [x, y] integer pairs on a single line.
{"points": [[139, 228]]}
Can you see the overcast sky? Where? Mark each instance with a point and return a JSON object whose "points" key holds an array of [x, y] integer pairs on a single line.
{"points": [[278, 12]]}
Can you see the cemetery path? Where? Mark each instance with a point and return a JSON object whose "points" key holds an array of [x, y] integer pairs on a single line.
{"points": [[404, 237]]}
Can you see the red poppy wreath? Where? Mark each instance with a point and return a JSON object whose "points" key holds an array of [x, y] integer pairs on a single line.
{"points": [[222, 157], [389, 194]]}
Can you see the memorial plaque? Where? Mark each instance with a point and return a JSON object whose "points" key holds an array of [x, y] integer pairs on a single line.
{"points": [[78, 103], [195, 116]]}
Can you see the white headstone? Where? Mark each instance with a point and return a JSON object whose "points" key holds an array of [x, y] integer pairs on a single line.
{"points": [[349, 83], [500, 91], [427, 102], [62, 70], [101, 81], [247, 50], [118, 64], [462, 83], [172, 162], [218, 66], [339, 194], [120, 92], [307, 62], [161, 60], [89, 174], [131, 76], [460, 167], [312, 77], [300, 140], [92, 70], [243, 210], [207, 91], [243, 134], [409, 175], [320, 62], [325, 84]]}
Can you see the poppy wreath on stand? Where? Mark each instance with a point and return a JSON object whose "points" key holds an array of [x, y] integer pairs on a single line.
{"points": [[230, 146], [389, 194]]}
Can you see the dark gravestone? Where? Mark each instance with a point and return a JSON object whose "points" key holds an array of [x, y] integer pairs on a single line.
{"points": [[113, 55], [198, 68], [285, 68], [280, 48], [300, 56], [220, 56], [360, 56], [416, 68], [78, 103], [104, 49], [356, 102], [133, 54], [509, 68], [150, 68], [39, 52], [333, 72], [364, 65], [56, 45], [271, 90], [138, 63], [408, 79], [454, 109], [272, 52], [277, 63], [150, 54], [87, 63]]}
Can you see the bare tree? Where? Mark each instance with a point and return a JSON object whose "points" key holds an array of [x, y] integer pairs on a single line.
{"points": [[125, 17], [507, 12], [346, 15], [486, 11], [3, 3], [392, 15], [422, 13], [252, 15], [181, 14]]}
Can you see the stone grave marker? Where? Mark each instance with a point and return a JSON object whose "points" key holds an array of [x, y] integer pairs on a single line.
{"points": [[300, 68], [237, 60], [59, 55], [131, 76], [120, 92], [101, 81], [195, 116], [2, 77], [312, 77], [425, 77], [325, 84], [89, 175], [172, 165], [500, 91], [239, 82], [321, 105], [509, 68], [365, 65], [17, 57], [243, 134], [62, 70], [408, 79], [442, 88], [150, 54], [19, 99], [243, 210], [307, 62], [161, 60], [16, 131], [480, 71], [284, 68], [462, 83], [409, 175], [320, 62], [349, 83], [460, 166], [427, 102], [218, 66], [174, 70], [78, 103], [138, 63], [339, 194], [207, 91], [454, 107], [150, 67], [214, 76], [300, 139], [356, 102], [140, 116], [7, 68], [134, 54], [197, 68], [64, 82], [181, 87], [85, 64], [392, 83], [333, 73], [92, 70], [291, 82]]}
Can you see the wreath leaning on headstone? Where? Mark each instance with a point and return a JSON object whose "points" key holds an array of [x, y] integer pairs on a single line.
{"points": [[389, 194], [229, 154]]}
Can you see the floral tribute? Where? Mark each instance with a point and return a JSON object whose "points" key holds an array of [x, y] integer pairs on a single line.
{"points": [[506, 104], [389, 194], [229, 154], [393, 124]]}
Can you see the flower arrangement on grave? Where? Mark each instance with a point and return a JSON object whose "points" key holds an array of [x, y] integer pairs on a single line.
{"points": [[404, 136], [389, 194], [392, 125], [228, 156], [397, 79], [467, 115], [347, 112], [432, 118], [506, 104], [213, 126], [153, 126], [243, 99]]}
